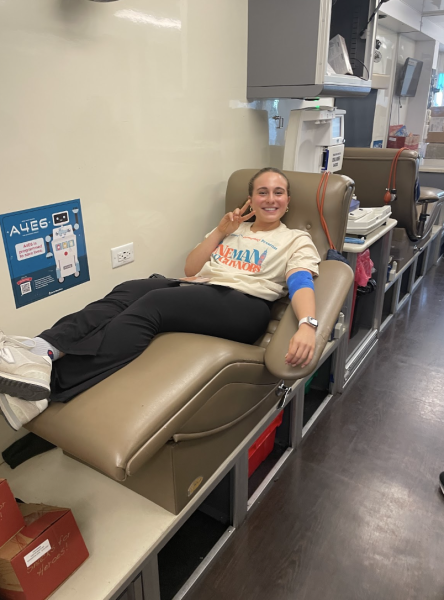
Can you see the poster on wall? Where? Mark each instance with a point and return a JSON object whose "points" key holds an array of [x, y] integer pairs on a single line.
{"points": [[45, 249]]}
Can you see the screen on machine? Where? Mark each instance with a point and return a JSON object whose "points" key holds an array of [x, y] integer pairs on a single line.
{"points": [[336, 127]]}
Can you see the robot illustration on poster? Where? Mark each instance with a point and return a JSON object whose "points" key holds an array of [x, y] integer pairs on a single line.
{"points": [[64, 245]]}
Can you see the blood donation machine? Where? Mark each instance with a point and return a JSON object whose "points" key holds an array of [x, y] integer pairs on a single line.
{"points": [[315, 143], [315, 140]]}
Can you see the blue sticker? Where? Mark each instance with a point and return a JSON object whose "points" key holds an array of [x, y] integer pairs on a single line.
{"points": [[378, 144], [46, 250]]}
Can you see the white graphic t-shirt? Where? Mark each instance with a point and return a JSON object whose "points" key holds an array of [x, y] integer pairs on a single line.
{"points": [[257, 263]]}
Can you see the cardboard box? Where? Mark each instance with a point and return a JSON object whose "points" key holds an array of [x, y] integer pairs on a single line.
{"points": [[435, 137], [399, 138], [38, 559], [436, 124], [411, 142], [434, 151], [11, 519], [395, 142], [437, 111]]}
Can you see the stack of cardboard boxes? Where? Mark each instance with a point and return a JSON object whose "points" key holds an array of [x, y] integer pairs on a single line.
{"points": [[435, 135], [399, 138], [40, 546]]}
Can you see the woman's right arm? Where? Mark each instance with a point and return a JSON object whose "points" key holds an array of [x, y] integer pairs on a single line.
{"points": [[201, 254], [228, 225]]}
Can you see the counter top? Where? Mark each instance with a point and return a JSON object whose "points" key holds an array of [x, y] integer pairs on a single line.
{"points": [[432, 165], [119, 526], [371, 238]]}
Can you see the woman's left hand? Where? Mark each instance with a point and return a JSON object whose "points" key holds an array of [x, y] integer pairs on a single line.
{"points": [[302, 345]]}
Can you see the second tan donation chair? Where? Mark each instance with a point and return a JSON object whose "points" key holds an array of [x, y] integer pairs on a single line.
{"points": [[163, 424], [370, 170]]}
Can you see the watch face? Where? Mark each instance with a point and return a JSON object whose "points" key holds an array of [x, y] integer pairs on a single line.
{"points": [[313, 321]]}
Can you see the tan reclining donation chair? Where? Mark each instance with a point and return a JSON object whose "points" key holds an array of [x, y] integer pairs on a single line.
{"points": [[370, 170], [164, 423]]}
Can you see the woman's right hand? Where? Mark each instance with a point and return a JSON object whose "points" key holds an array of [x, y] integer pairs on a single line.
{"points": [[231, 221]]}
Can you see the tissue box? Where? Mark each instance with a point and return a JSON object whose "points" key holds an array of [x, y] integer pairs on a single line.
{"points": [[11, 520], [338, 57], [38, 559]]}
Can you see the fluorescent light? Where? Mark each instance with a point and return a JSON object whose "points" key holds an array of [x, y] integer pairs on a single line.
{"points": [[140, 17]]}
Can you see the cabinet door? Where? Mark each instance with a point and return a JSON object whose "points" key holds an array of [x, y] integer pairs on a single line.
{"points": [[287, 42]]}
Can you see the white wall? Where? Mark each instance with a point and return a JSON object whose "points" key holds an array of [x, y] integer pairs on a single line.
{"points": [[417, 107], [138, 108], [390, 109], [387, 66], [408, 13]]}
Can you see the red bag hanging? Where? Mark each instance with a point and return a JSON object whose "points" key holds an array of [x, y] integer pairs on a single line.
{"points": [[364, 268]]}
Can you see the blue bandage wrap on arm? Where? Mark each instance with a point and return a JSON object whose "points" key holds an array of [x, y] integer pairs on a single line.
{"points": [[299, 280]]}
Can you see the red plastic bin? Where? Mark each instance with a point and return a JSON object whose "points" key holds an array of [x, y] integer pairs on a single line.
{"points": [[263, 446]]}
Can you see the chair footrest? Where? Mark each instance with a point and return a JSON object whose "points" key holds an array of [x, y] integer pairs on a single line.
{"points": [[109, 424]]}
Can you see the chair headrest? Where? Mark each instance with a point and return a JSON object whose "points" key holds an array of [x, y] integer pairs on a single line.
{"points": [[303, 212], [378, 154], [370, 169]]}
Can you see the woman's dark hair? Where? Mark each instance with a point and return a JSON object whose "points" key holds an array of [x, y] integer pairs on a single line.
{"points": [[267, 170]]}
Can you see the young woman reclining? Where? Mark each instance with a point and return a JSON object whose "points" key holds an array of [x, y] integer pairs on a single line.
{"points": [[246, 266]]}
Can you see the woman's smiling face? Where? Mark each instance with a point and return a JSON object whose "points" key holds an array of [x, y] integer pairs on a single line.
{"points": [[269, 200]]}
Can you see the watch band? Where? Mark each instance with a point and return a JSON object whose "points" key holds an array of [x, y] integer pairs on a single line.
{"points": [[310, 321]]}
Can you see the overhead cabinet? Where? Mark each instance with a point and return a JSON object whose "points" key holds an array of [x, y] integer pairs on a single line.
{"points": [[288, 43]]}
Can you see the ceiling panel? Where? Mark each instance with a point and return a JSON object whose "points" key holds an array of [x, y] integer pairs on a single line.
{"points": [[433, 5], [438, 20], [395, 25], [432, 9], [416, 4]]}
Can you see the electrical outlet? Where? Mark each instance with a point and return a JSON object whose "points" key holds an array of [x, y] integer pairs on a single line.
{"points": [[122, 255]]}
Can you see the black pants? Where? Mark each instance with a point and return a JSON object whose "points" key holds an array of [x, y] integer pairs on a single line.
{"points": [[108, 334]]}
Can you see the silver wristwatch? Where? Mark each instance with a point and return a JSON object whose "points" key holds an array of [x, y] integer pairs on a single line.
{"points": [[310, 321]]}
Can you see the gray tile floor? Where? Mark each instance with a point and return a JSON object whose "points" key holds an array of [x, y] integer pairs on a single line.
{"points": [[357, 512]]}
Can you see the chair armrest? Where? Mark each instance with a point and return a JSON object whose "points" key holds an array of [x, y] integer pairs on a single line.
{"points": [[331, 289], [429, 194]]}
